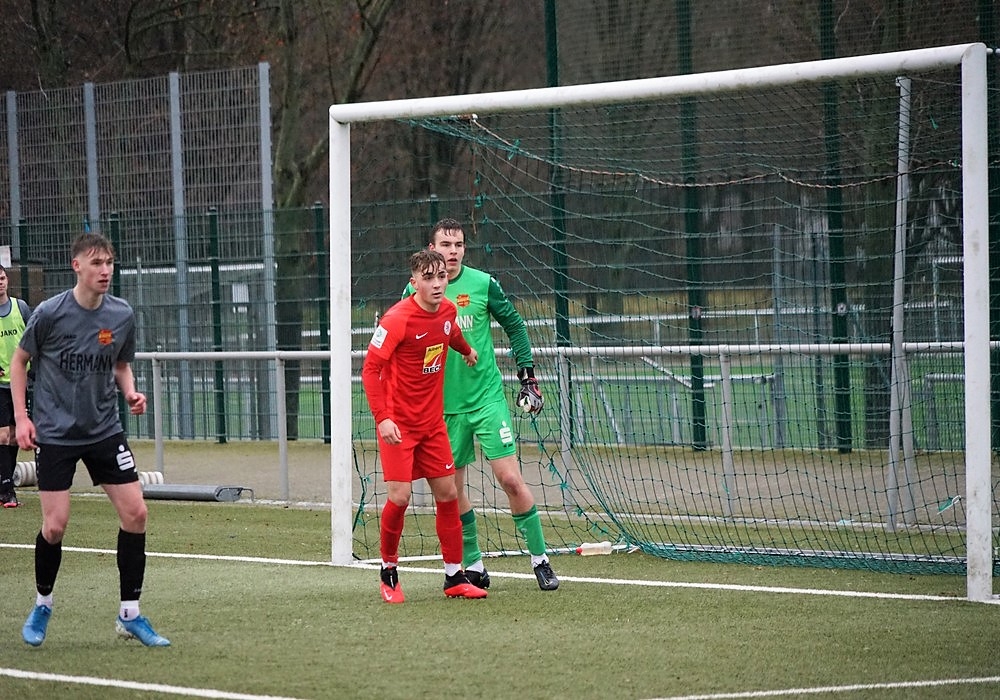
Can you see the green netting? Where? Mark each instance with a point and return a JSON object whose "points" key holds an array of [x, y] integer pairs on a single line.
{"points": [[629, 233]]}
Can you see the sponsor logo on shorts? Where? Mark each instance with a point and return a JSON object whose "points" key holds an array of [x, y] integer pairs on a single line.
{"points": [[506, 434], [125, 459]]}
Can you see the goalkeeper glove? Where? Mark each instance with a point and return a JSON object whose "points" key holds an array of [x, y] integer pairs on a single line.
{"points": [[530, 397]]}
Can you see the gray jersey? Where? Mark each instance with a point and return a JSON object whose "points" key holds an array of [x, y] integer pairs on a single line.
{"points": [[73, 356]]}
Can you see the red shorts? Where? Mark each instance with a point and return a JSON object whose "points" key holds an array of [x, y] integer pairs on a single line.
{"points": [[421, 455]]}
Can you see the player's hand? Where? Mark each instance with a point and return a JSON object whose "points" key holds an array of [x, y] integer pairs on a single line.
{"points": [[530, 397], [472, 358], [389, 432], [25, 433], [136, 403]]}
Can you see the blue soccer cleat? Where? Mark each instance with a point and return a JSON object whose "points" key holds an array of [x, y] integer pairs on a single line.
{"points": [[140, 629], [34, 628]]}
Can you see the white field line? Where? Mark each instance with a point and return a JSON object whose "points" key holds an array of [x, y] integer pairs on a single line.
{"points": [[700, 586], [132, 685], [575, 579], [818, 690]]}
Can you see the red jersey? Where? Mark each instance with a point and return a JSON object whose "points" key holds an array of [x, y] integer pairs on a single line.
{"points": [[403, 374]]}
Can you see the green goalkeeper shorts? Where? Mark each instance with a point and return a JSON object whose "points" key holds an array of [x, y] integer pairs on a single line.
{"points": [[490, 425]]}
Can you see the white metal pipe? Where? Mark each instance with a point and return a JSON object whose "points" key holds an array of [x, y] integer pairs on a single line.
{"points": [[899, 404], [282, 410], [158, 413], [976, 294], [653, 88], [340, 345]]}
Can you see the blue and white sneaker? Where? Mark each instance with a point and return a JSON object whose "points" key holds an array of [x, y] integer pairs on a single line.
{"points": [[34, 628], [140, 629]]}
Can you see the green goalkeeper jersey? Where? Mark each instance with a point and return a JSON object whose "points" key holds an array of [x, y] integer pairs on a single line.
{"points": [[480, 299]]}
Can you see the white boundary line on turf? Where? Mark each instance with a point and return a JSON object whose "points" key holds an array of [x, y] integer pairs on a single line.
{"points": [[705, 586], [834, 689], [372, 564], [132, 685], [178, 555]]}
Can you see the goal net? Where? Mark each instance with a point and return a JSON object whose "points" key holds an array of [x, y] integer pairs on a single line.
{"points": [[748, 295]]}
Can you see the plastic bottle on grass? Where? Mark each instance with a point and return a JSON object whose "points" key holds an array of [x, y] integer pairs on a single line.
{"points": [[589, 548]]}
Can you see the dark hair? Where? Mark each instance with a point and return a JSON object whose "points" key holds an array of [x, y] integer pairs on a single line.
{"points": [[424, 260], [445, 225], [91, 241]]}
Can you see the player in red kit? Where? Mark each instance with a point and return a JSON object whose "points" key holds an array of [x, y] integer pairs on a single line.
{"points": [[403, 376]]}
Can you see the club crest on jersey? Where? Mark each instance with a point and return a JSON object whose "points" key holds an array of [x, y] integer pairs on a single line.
{"points": [[433, 357], [462, 300], [104, 337], [447, 327]]}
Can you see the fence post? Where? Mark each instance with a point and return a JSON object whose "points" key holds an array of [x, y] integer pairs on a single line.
{"points": [[323, 306], [728, 424], [22, 231], [221, 428], [115, 236]]}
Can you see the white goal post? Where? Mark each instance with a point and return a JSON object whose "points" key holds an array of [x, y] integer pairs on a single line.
{"points": [[971, 58]]}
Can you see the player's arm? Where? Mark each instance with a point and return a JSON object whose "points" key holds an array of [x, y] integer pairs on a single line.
{"points": [[371, 380], [25, 429], [502, 310], [500, 307], [125, 380]]}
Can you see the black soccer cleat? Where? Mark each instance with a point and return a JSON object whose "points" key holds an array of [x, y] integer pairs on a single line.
{"points": [[547, 580], [458, 586], [479, 579]]}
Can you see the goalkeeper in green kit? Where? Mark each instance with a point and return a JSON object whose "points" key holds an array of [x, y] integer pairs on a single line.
{"points": [[475, 404]]}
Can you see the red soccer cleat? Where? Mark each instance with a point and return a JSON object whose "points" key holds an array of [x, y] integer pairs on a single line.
{"points": [[458, 586], [392, 592]]}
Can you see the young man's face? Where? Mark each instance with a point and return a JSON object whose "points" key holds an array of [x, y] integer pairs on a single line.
{"points": [[3, 283], [93, 270], [451, 244], [429, 285]]}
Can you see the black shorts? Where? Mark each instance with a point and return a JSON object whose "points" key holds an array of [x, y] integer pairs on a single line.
{"points": [[6, 408], [109, 461]]}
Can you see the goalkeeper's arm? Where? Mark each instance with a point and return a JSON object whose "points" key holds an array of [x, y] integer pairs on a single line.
{"points": [[503, 311], [499, 306]]}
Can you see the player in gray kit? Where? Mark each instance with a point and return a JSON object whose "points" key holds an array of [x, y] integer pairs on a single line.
{"points": [[80, 344]]}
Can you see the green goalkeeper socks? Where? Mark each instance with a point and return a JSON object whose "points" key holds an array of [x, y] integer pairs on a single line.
{"points": [[470, 539], [530, 527]]}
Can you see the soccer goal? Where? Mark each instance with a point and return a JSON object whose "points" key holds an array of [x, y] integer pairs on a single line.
{"points": [[758, 300]]}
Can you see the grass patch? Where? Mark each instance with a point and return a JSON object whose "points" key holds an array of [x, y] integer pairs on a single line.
{"points": [[321, 632]]}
